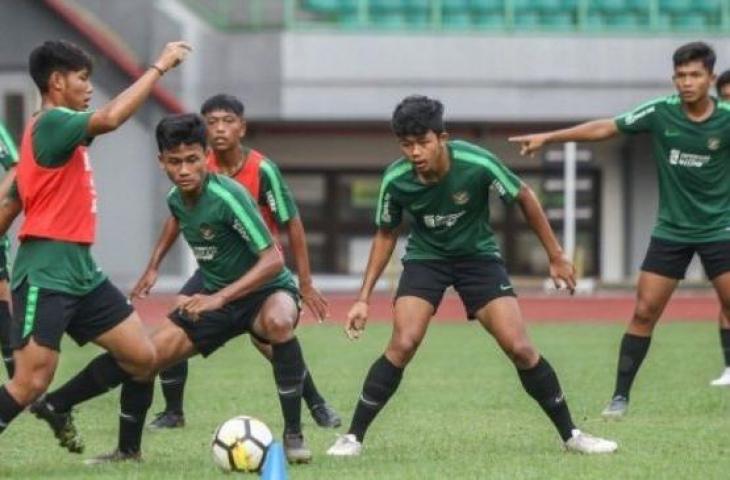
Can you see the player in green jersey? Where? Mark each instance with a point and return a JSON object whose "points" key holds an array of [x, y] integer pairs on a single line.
{"points": [[57, 287], [722, 85], [443, 186], [690, 132], [246, 287], [8, 159], [226, 127]]}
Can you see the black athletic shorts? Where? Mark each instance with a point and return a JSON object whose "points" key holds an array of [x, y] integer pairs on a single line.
{"points": [[193, 285], [670, 259], [4, 253], [477, 280], [213, 329], [46, 314]]}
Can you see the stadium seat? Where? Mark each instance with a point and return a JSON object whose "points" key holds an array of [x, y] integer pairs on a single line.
{"points": [[385, 6], [322, 6], [711, 7], [395, 21], [456, 20], [482, 7], [489, 21], [562, 20], [610, 6], [626, 20], [548, 6], [677, 7], [527, 20], [689, 21]]}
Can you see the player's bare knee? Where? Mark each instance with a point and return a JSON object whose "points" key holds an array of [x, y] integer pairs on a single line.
{"points": [[646, 314], [143, 364], [278, 328], [29, 387], [402, 349], [522, 354]]}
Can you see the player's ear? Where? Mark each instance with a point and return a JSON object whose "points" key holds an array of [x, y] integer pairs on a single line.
{"points": [[160, 161], [244, 125], [443, 137], [56, 80]]}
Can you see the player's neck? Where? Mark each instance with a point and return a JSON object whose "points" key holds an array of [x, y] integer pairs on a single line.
{"points": [[230, 161], [700, 110], [48, 102]]}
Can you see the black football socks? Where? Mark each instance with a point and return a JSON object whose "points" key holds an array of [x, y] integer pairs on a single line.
{"points": [[7, 352], [9, 408], [101, 375], [542, 384], [289, 371], [173, 381], [380, 384], [631, 355], [135, 401], [725, 343]]}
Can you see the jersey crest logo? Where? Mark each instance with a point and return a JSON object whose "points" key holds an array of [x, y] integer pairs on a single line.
{"points": [[207, 232], [713, 143], [461, 198]]}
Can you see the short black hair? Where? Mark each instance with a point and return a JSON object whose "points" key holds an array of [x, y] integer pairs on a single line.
{"points": [[184, 128], [56, 56], [722, 80], [693, 52], [224, 102], [416, 115]]}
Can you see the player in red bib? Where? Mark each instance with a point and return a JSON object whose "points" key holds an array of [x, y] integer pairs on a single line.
{"points": [[226, 127], [56, 284]]}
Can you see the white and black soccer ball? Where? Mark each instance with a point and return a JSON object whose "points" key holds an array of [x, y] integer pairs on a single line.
{"points": [[240, 444]]}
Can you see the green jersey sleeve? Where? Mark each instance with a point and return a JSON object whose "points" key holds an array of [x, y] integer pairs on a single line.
{"points": [[389, 213], [275, 193], [640, 119], [241, 214], [57, 133], [8, 152], [503, 180]]}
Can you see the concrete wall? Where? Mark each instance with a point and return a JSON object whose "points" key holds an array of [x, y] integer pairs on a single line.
{"points": [[129, 184]]}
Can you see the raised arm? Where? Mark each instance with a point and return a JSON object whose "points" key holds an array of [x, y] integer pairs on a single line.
{"points": [[561, 268], [592, 131], [380, 252], [170, 232], [298, 243], [112, 115]]}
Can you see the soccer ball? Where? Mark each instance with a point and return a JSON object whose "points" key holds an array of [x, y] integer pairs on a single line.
{"points": [[240, 444]]}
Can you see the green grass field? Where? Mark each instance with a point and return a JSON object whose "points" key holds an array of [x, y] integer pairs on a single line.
{"points": [[460, 413]]}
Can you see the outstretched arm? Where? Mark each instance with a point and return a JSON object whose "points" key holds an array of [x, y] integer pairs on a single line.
{"points": [[298, 242], [269, 264], [380, 252], [585, 132], [112, 115], [561, 268], [170, 232]]}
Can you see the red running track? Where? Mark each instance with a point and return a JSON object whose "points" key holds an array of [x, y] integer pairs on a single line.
{"points": [[702, 306]]}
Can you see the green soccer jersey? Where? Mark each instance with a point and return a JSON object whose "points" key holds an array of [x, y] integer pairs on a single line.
{"points": [[450, 219], [225, 232], [693, 165], [8, 159], [62, 266]]}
